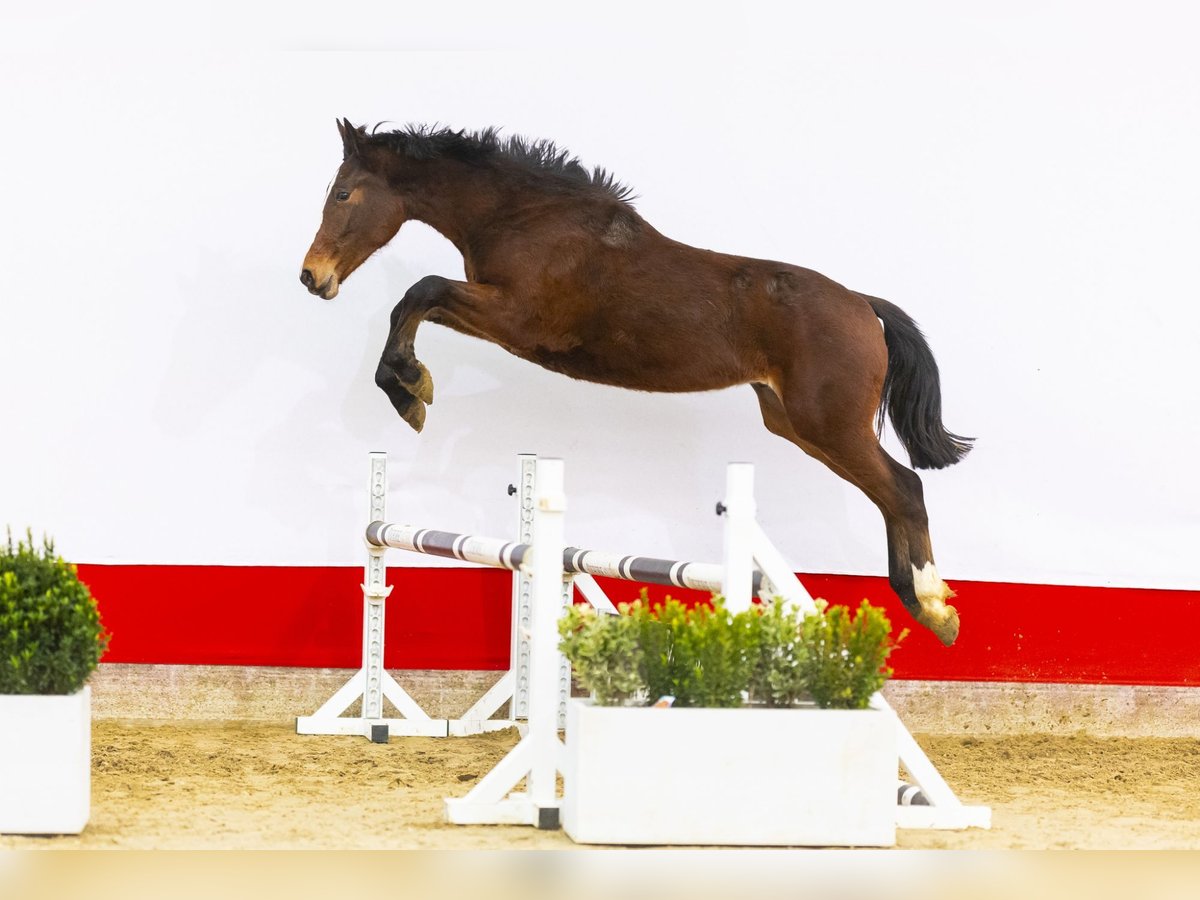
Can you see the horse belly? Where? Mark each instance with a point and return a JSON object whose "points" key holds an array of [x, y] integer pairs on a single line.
{"points": [[660, 362]]}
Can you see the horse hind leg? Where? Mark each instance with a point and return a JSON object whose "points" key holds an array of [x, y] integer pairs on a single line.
{"points": [[855, 455], [912, 572]]}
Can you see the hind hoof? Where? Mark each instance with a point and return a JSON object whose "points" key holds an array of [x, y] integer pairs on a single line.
{"points": [[944, 625]]}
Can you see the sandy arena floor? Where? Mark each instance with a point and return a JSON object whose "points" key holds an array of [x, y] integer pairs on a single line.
{"points": [[258, 786]]}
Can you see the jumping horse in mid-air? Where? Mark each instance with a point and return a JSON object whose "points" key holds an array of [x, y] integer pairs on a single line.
{"points": [[563, 272]]}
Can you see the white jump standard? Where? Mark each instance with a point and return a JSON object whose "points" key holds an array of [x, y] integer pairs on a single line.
{"points": [[372, 684]]}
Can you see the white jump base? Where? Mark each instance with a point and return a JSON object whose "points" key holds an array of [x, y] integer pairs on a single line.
{"points": [[537, 685]]}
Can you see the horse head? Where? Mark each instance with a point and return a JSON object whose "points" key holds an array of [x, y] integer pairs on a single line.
{"points": [[362, 213]]}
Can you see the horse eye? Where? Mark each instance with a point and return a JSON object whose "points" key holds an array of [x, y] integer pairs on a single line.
{"points": [[343, 195]]}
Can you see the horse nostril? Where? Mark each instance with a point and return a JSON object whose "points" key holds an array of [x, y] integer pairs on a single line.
{"points": [[306, 279]]}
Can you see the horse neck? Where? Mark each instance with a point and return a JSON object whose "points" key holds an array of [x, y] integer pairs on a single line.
{"points": [[454, 199]]}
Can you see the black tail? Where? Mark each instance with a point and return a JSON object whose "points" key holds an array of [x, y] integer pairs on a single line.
{"points": [[912, 392]]}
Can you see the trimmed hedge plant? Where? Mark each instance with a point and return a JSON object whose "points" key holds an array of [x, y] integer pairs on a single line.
{"points": [[770, 655], [51, 637], [844, 659]]}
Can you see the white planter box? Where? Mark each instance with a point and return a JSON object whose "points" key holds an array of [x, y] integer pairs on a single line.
{"points": [[45, 763], [757, 777]]}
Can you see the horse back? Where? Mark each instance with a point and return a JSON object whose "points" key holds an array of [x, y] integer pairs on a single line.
{"points": [[606, 297]]}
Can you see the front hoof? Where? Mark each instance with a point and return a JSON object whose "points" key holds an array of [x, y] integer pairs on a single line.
{"points": [[407, 371], [411, 410], [422, 384], [415, 415]]}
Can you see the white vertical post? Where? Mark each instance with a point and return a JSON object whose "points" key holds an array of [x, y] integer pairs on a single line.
{"points": [[537, 756], [372, 684], [375, 593], [737, 571], [564, 664], [522, 590], [544, 670]]}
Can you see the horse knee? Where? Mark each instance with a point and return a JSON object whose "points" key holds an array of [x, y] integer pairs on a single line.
{"points": [[425, 291], [419, 298]]}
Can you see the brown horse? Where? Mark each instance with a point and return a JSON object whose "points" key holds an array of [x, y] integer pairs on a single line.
{"points": [[563, 272]]}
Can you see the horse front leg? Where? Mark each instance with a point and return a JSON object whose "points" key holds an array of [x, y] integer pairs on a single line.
{"points": [[400, 374]]}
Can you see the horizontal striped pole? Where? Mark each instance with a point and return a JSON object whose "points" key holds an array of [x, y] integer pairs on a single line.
{"points": [[485, 551], [697, 576], [510, 555]]}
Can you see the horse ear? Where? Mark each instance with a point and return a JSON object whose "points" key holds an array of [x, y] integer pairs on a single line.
{"points": [[350, 136]]}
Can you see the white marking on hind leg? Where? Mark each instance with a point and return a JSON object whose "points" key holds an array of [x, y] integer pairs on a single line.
{"points": [[931, 591]]}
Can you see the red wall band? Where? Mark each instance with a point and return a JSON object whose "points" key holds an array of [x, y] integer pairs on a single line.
{"points": [[458, 618]]}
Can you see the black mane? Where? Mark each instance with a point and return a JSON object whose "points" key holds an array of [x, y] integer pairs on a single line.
{"points": [[539, 156]]}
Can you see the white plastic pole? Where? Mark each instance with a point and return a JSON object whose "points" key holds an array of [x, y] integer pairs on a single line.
{"points": [[550, 503], [522, 591], [739, 511], [375, 593]]}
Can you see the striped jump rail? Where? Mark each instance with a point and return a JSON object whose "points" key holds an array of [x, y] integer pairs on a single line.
{"points": [[511, 555]]}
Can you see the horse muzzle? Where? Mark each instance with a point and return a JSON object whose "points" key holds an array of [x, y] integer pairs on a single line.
{"points": [[326, 289]]}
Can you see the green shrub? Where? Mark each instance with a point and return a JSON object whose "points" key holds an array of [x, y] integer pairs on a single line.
{"points": [[843, 658], [51, 637], [699, 656], [771, 655], [777, 673], [604, 653]]}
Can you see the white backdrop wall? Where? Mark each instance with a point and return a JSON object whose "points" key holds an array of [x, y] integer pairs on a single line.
{"points": [[1023, 181]]}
